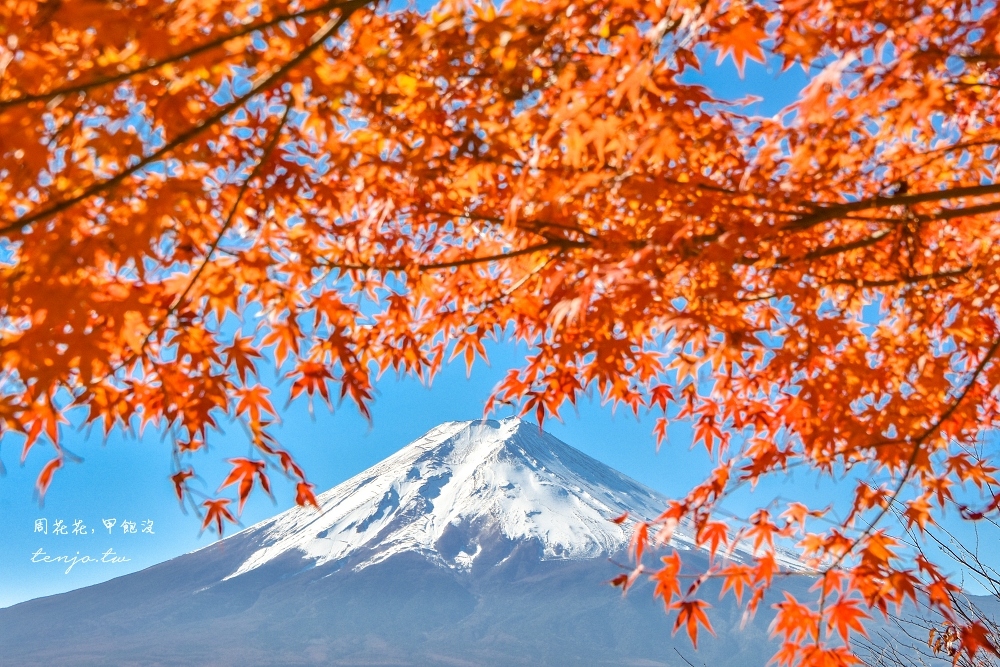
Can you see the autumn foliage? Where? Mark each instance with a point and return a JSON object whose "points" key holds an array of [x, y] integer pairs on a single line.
{"points": [[193, 189]]}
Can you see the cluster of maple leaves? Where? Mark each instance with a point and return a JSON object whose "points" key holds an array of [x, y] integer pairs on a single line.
{"points": [[190, 189]]}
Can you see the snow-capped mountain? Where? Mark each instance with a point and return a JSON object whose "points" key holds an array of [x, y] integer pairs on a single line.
{"points": [[481, 543], [453, 494]]}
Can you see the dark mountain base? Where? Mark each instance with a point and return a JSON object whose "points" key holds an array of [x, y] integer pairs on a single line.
{"points": [[404, 611]]}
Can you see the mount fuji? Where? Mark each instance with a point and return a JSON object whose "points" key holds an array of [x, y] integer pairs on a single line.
{"points": [[465, 492], [481, 543]]}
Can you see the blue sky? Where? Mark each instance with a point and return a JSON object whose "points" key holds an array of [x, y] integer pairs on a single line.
{"points": [[126, 479]]}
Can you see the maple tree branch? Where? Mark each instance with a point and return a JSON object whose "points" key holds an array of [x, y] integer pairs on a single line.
{"points": [[531, 225], [208, 255], [887, 282], [541, 224], [967, 556], [868, 218], [436, 266], [685, 659], [832, 212], [266, 83], [230, 218], [959, 146], [836, 250], [940, 215], [617, 174], [973, 84], [981, 55], [952, 213], [517, 285], [930, 156], [758, 297], [909, 280], [142, 69], [819, 253], [54, 138], [945, 416]]}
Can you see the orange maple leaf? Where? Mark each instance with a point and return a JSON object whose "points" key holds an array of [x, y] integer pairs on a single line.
{"points": [[691, 613], [45, 476], [846, 616], [742, 41], [217, 511], [244, 472], [179, 478], [304, 495]]}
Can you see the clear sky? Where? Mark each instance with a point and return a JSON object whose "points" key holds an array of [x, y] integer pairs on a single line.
{"points": [[126, 480]]}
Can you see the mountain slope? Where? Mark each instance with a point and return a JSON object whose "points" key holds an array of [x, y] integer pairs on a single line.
{"points": [[482, 543], [461, 488]]}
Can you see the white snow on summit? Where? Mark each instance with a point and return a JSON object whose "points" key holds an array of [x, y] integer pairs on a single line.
{"points": [[450, 492]]}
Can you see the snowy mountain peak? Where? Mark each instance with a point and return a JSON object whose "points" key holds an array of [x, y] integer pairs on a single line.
{"points": [[464, 493]]}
